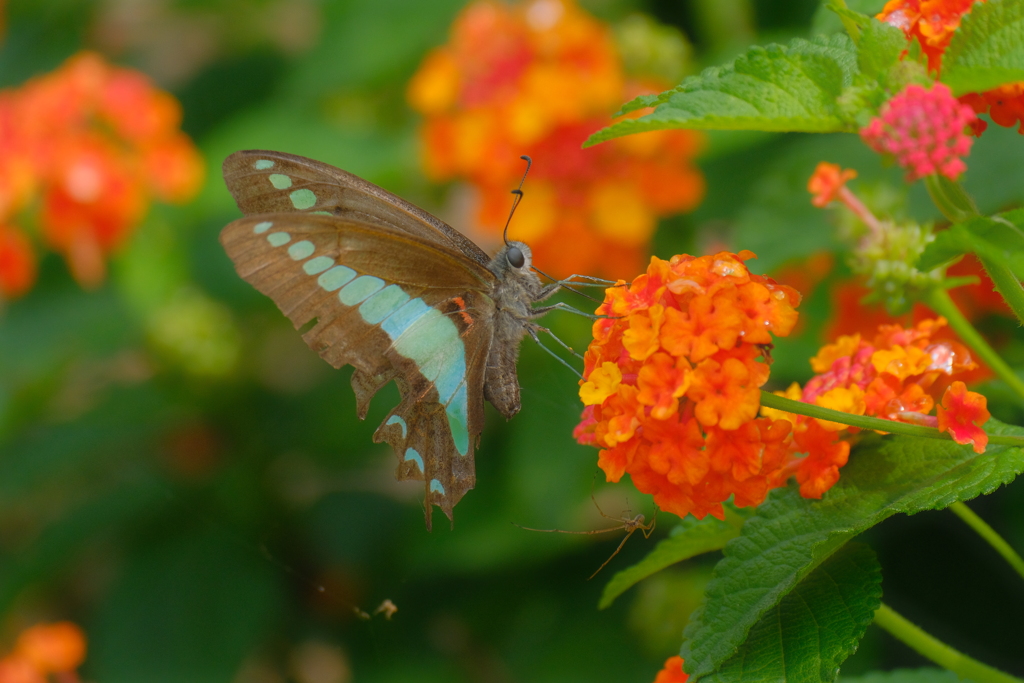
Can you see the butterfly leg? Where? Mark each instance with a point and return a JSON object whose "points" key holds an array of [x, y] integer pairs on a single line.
{"points": [[554, 336], [561, 306], [587, 280], [533, 335]]}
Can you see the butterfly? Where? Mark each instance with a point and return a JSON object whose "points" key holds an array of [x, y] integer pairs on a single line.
{"points": [[396, 293]]}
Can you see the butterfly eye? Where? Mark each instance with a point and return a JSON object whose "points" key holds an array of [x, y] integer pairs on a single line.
{"points": [[515, 257]]}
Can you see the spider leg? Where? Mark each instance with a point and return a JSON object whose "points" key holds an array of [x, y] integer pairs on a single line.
{"points": [[599, 510], [613, 554], [563, 531], [649, 529]]}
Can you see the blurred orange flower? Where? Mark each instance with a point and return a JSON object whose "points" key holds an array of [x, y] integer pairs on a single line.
{"points": [[17, 263], [82, 151], [932, 24], [672, 672], [538, 78], [44, 649], [672, 380]]}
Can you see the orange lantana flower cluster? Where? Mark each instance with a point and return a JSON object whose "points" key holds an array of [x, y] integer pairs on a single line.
{"points": [[672, 383], [900, 375], [932, 24], [43, 650], [82, 152], [538, 78]]}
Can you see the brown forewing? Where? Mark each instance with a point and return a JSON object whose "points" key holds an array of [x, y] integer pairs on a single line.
{"points": [[339, 192]]}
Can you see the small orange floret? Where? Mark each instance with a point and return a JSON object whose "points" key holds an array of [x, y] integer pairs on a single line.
{"points": [[962, 413], [826, 182], [672, 672]]}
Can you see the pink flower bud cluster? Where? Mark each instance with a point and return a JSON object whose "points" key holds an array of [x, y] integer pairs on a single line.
{"points": [[924, 129]]}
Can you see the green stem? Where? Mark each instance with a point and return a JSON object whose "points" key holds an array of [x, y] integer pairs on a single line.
{"points": [[1006, 284], [940, 302], [865, 422], [927, 646], [950, 198], [989, 534]]}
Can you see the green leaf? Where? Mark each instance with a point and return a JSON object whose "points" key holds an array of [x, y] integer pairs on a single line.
{"points": [[791, 87], [814, 628], [640, 102], [790, 536], [826, 21], [691, 538], [949, 244], [853, 22], [988, 48], [924, 675], [1000, 239], [880, 47]]}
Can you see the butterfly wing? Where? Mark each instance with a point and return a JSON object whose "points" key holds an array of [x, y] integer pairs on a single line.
{"points": [[262, 181], [424, 319]]}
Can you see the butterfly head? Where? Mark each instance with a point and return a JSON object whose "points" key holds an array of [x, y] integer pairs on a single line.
{"points": [[514, 257]]}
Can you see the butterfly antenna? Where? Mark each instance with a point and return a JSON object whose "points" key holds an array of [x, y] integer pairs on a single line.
{"points": [[518, 192]]}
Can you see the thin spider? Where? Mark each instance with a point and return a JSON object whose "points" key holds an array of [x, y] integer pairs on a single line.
{"points": [[629, 524]]}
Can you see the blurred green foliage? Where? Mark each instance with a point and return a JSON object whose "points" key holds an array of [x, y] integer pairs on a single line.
{"points": [[182, 477]]}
